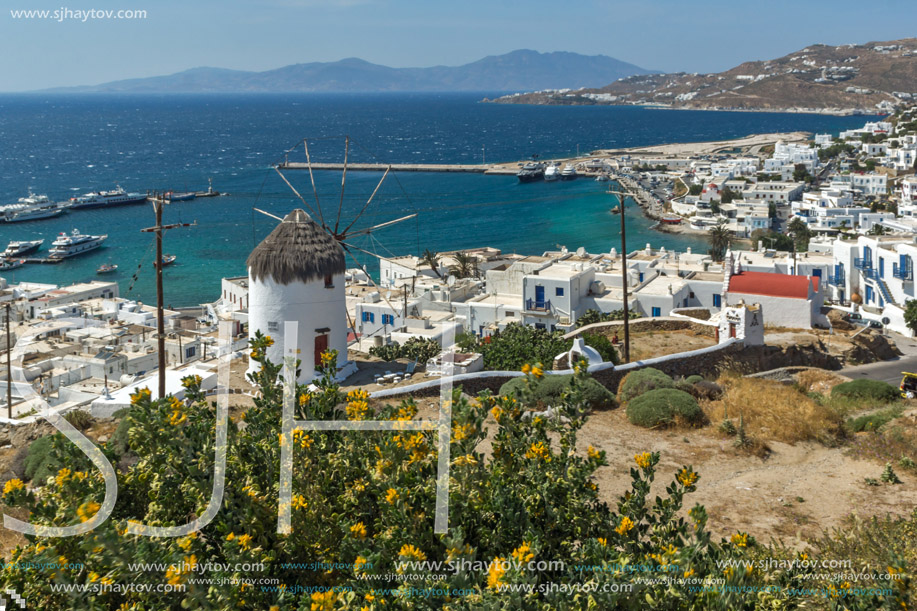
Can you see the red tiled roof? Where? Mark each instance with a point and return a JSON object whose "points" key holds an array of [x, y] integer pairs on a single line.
{"points": [[772, 285]]}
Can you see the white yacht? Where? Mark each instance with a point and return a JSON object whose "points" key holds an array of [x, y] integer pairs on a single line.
{"points": [[106, 199], [19, 248], [66, 246], [31, 208], [568, 173], [552, 173]]}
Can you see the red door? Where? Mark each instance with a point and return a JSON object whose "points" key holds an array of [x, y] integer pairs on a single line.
{"points": [[732, 330], [321, 344]]}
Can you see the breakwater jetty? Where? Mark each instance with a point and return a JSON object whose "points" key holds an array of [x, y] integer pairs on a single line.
{"points": [[404, 167]]}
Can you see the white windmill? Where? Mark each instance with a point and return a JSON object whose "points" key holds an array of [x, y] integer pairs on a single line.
{"points": [[297, 273]]}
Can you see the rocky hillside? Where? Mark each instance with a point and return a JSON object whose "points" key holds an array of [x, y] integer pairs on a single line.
{"points": [[850, 78]]}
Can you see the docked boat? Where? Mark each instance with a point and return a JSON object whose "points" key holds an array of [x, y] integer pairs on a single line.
{"points": [[7, 264], [31, 208], [107, 199], [616, 210], [172, 196], [531, 172], [17, 249], [106, 268], [602, 178], [551, 173], [66, 246], [568, 173]]}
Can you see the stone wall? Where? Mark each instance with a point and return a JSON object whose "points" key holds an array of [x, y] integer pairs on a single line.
{"points": [[645, 324]]}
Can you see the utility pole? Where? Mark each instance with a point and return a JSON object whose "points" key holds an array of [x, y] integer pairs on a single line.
{"points": [[9, 368], [621, 195], [158, 203]]}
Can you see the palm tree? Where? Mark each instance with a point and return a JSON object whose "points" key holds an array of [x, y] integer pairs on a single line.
{"points": [[432, 259], [720, 238], [466, 265]]}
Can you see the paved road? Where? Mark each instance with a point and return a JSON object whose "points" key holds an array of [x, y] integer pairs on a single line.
{"points": [[888, 371]]}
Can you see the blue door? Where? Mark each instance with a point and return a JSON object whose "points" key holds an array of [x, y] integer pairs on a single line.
{"points": [[881, 267], [539, 296], [817, 272], [868, 294], [657, 312]]}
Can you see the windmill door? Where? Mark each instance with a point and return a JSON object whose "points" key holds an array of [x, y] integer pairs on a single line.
{"points": [[321, 344]]}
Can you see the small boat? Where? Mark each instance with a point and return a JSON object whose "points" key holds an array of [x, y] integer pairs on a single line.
{"points": [[671, 219], [616, 210], [551, 173], [11, 264], [172, 196], [16, 249], [166, 260], [602, 178], [568, 173], [106, 268]]}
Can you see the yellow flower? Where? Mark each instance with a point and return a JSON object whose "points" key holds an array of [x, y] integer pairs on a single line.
{"points": [[358, 564], [108, 581], [323, 601], [268, 341], [62, 560], [358, 410], [304, 398], [739, 539], [62, 476], [603, 541], [303, 438], [539, 450], [87, 510], [537, 371], [230, 536], [185, 542], [526, 369], [592, 452], [689, 572], [13, 485], [244, 540], [463, 431], [687, 477], [357, 394], [299, 502], [329, 357], [93, 577], [495, 573], [273, 608], [177, 418], [391, 495], [358, 530], [496, 412], [625, 526], [467, 459], [643, 460], [523, 553], [409, 551], [456, 552], [140, 395]]}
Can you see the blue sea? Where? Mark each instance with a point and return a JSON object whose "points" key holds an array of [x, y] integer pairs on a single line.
{"points": [[63, 146]]}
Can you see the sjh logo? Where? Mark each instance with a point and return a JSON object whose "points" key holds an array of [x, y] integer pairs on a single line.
{"points": [[14, 597]]}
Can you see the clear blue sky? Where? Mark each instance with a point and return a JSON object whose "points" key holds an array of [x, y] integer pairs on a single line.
{"points": [[668, 35]]}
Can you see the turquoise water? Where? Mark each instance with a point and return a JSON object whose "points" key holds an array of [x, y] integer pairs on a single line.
{"points": [[61, 146]]}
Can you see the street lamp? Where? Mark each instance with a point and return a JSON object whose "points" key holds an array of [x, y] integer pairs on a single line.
{"points": [[621, 195]]}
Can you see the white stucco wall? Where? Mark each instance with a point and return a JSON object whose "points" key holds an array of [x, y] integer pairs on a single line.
{"points": [[311, 305]]}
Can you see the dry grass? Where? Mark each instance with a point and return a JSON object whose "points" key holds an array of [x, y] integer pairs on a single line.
{"points": [[773, 411], [817, 380]]}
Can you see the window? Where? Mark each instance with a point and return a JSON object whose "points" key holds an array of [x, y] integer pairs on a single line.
{"points": [[717, 301], [559, 291], [371, 317], [190, 352], [273, 326], [657, 312], [329, 281], [691, 295], [388, 319]]}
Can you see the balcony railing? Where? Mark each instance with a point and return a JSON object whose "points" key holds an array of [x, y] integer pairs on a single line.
{"points": [[902, 273], [836, 279], [533, 305], [862, 263]]}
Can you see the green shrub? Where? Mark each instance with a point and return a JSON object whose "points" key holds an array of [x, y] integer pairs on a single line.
{"points": [[39, 462], [549, 388], [694, 379], [638, 382], [867, 389], [79, 419], [387, 352], [662, 407], [515, 345], [873, 421], [603, 346], [416, 348]]}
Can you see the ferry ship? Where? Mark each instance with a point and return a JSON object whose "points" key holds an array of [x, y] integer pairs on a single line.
{"points": [[31, 208], [531, 172], [106, 199], [568, 173], [66, 246], [551, 173]]}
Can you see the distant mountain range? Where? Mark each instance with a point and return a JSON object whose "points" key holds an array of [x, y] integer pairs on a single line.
{"points": [[521, 70], [866, 78]]}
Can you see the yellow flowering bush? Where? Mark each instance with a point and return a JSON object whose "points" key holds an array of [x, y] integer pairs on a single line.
{"points": [[364, 502]]}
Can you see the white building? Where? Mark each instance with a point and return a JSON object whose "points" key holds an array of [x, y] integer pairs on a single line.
{"points": [[791, 154], [296, 274]]}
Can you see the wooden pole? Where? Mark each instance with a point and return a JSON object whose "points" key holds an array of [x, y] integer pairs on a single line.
{"points": [[160, 315], [624, 284], [9, 368]]}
